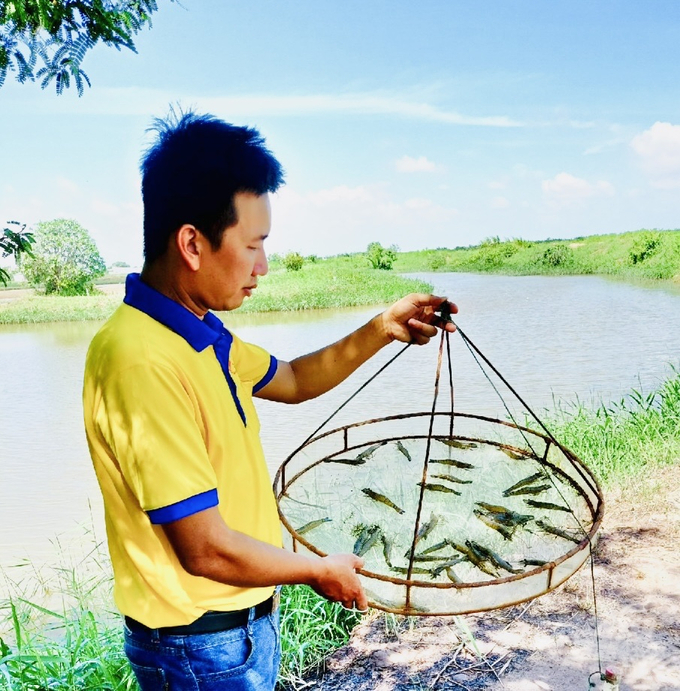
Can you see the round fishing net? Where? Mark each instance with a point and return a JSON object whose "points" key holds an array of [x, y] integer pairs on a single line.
{"points": [[452, 512]]}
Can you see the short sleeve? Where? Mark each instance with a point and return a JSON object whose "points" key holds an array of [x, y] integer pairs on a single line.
{"points": [[151, 424], [253, 363]]}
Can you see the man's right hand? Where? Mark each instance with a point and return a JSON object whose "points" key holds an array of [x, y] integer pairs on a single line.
{"points": [[338, 581], [207, 547]]}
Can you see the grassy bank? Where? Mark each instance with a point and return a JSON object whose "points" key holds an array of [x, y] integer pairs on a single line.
{"points": [[640, 255], [620, 440], [75, 641], [342, 282], [346, 280], [77, 644]]}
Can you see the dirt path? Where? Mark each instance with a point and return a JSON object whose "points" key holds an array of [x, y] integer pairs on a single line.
{"points": [[549, 644]]}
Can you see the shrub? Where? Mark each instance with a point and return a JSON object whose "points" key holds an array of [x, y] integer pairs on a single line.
{"points": [[380, 257], [436, 261], [557, 255], [293, 261], [65, 259], [492, 252], [646, 245]]}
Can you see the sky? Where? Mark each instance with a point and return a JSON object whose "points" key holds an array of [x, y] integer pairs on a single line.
{"points": [[431, 124]]}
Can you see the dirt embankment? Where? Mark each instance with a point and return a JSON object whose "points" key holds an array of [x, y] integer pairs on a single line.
{"points": [[549, 644]]}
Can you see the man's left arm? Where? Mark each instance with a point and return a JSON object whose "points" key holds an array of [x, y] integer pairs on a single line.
{"points": [[410, 320]]}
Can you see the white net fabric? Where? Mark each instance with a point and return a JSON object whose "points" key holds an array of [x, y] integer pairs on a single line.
{"points": [[501, 515]]}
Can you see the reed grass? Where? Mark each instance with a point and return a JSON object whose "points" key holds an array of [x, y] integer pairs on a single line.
{"points": [[621, 439], [59, 629], [311, 629]]}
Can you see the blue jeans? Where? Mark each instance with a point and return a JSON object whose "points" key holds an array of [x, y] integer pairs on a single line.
{"points": [[241, 659]]}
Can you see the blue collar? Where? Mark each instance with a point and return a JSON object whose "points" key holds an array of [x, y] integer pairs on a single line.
{"points": [[198, 333]]}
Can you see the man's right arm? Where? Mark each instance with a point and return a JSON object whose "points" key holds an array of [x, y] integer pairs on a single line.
{"points": [[207, 547]]}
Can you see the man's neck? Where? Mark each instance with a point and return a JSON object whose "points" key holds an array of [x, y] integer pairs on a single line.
{"points": [[168, 280]]}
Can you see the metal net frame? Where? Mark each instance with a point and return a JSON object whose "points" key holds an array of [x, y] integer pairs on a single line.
{"points": [[509, 449]]}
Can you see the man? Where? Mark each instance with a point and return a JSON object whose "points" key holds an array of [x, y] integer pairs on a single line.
{"points": [[191, 518]]}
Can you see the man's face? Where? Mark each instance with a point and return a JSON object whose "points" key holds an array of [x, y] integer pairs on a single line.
{"points": [[230, 273]]}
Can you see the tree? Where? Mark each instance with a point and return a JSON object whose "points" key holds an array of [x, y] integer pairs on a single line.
{"points": [[65, 259], [48, 39], [380, 257], [14, 243]]}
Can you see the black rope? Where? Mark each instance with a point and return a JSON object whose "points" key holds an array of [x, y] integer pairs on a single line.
{"points": [[359, 390], [470, 345], [597, 628], [474, 351], [426, 461]]}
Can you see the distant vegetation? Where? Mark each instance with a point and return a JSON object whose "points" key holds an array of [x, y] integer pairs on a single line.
{"points": [[643, 254], [64, 260], [14, 242], [297, 282], [318, 284], [380, 257]]}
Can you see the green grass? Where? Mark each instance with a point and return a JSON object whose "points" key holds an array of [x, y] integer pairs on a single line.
{"points": [[59, 630], [311, 629], [44, 308], [641, 255], [62, 633], [324, 285], [330, 284], [620, 440]]}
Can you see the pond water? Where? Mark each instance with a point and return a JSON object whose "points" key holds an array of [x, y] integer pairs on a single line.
{"points": [[563, 338]]}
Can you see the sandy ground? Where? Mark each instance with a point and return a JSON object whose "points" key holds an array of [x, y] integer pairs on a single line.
{"points": [[550, 643]]}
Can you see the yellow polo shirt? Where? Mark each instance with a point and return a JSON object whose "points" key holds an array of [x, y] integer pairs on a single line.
{"points": [[172, 431]]}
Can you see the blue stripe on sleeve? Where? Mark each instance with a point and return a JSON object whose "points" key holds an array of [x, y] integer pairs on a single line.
{"points": [[273, 364], [184, 508]]}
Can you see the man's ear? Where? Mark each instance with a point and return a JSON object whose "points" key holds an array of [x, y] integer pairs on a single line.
{"points": [[190, 244]]}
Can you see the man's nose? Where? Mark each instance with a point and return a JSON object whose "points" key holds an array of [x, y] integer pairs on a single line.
{"points": [[262, 265]]}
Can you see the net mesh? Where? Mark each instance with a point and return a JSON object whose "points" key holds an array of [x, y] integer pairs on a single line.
{"points": [[492, 515]]}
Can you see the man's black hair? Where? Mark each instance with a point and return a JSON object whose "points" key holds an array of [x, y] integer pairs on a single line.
{"points": [[192, 172]]}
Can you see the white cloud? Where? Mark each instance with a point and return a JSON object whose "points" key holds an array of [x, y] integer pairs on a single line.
{"points": [[67, 186], [408, 164], [346, 219], [500, 203], [140, 101], [419, 203], [659, 152], [581, 124], [565, 188], [522, 172]]}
